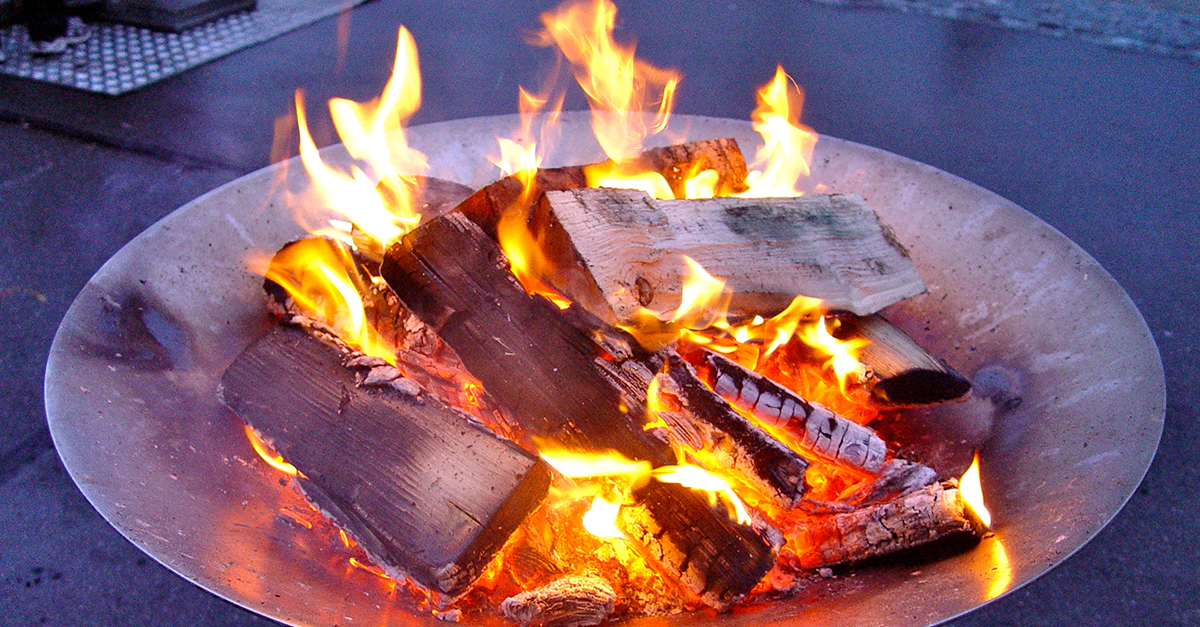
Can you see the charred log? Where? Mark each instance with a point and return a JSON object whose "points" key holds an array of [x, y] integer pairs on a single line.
{"points": [[767, 250], [698, 418], [574, 601], [935, 513], [424, 488], [541, 368], [818, 430]]}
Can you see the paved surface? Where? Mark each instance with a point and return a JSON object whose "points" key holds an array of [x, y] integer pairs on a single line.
{"points": [[1102, 144]]}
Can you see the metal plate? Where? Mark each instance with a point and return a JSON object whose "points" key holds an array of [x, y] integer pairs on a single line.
{"points": [[1013, 303]]}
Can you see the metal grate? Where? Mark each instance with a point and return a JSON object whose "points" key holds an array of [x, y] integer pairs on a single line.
{"points": [[118, 58]]}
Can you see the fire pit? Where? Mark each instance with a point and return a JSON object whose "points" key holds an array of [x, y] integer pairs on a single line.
{"points": [[1072, 377]]}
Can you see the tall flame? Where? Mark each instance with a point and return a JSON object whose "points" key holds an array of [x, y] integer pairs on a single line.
{"points": [[972, 492], [787, 146], [378, 200], [619, 87]]}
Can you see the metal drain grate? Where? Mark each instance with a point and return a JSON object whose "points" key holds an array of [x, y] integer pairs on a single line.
{"points": [[119, 59]]}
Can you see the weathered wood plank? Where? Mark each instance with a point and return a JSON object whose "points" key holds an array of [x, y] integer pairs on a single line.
{"points": [[768, 250], [424, 488]]}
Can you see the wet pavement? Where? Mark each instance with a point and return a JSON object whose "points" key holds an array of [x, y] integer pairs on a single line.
{"points": [[1102, 144]]}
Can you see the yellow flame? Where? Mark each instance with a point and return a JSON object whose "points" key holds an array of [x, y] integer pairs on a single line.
{"points": [[843, 354], [613, 465], [655, 405], [703, 303], [612, 174], [787, 146], [603, 464], [601, 519], [972, 492], [701, 184], [380, 203], [320, 276], [698, 478], [275, 460], [620, 88]]}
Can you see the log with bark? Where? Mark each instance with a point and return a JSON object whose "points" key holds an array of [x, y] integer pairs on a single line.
{"points": [[424, 488], [768, 250], [534, 362], [819, 431], [934, 513]]}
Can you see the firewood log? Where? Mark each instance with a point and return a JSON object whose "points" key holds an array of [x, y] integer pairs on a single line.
{"points": [[701, 419], [541, 368], [931, 514], [676, 163], [424, 488], [899, 372], [818, 430], [768, 250]]}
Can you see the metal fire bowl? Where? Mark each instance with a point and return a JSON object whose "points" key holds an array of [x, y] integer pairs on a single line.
{"points": [[1069, 408]]}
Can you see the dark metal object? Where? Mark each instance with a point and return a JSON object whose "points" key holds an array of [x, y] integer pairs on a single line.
{"points": [[130, 389]]}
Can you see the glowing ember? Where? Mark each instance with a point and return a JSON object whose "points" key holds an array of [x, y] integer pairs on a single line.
{"points": [[972, 492]]}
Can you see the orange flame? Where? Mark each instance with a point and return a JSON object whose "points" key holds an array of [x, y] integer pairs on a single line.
{"points": [[601, 519], [321, 278], [380, 202], [275, 460], [620, 88], [787, 146], [843, 354], [971, 488], [612, 465]]}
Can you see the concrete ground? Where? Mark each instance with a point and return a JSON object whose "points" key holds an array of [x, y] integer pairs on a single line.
{"points": [[1100, 143]]}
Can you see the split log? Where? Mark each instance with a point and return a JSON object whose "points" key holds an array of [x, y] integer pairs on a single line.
{"points": [[935, 513], [541, 368], [768, 250], [698, 418], [574, 601], [819, 431], [899, 372], [424, 488], [675, 163]]}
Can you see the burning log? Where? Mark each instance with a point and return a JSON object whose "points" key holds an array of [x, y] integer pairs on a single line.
{"points": [[898, 371], [675, 163], [819, 431], [767, 250], [424, 488], [935, 513], [541, 368], [702, 420], [574, 601]]}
